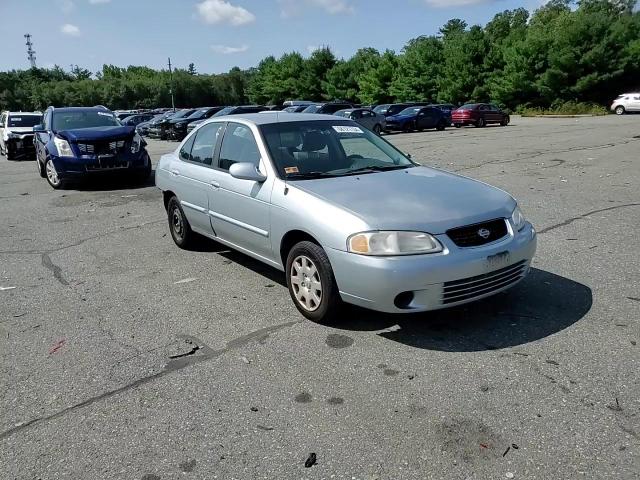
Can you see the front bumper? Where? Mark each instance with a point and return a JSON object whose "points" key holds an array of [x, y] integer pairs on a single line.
{"points": [[83, 165], [20, 146], [418, 283]]}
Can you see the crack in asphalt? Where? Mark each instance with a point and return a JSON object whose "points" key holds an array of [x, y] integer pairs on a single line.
{"points": [[173, 365], [584, 215], [55, 269]]}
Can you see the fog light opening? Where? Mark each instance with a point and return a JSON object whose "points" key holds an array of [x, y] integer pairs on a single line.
{"points": [[403, 300]]}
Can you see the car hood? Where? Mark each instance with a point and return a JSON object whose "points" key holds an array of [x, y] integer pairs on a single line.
{"points": [[96, 133], [420, 198], [20, 129], [399, 118]]}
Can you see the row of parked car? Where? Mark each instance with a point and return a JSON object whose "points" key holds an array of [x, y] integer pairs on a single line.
{"points": [[407, 117]]}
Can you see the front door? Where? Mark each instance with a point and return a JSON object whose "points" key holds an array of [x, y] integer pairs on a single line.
{"points": [[240, 209]]}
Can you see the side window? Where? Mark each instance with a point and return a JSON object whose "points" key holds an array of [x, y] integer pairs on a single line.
{"points": [[205, 143], [185, 150], [238, 145]]}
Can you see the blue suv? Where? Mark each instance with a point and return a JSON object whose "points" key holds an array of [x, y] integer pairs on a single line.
{"points": [[75, 142]]}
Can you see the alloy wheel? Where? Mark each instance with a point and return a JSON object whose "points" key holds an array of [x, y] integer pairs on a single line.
{"points": [[619, 110], [306, 283], [52, 174]]}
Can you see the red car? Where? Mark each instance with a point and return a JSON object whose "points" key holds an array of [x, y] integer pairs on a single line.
{"points": [[479, 114]]}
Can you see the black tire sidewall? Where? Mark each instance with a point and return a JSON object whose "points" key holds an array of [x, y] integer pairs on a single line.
{"points": [[330, 302], [174, 204]]}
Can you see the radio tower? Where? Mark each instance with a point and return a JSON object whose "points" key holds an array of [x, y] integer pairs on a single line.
{"points": [[31, 53]]}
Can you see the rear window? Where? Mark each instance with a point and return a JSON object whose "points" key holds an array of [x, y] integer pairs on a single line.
{"points": [[24, 120], [469, 106], [83, 119]]}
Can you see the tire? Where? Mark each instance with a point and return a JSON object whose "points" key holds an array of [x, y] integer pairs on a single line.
{"points": [[407, 127], [52, 177], [481, 123], [308, 272], [620, 110], [178, 224], [457, 125], [441, 126], [9, 155], [40, 168], [377, 129]]}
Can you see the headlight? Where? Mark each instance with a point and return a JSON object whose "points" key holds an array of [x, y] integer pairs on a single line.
{"points": [[136, 143], [392, 243], [517, 219], [64, 150]]}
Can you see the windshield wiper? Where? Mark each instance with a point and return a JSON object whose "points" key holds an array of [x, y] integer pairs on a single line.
{"points": [[376, 168], [309, 175]]}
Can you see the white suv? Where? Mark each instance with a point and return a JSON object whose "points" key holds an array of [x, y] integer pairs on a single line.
{"points": [[627, 102], [16, 133]]}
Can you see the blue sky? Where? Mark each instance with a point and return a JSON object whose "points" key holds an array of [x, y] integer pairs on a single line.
{"points": [[219, 34]]}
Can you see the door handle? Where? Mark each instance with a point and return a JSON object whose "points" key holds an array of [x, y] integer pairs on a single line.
{"points": [[175, 172], [214, 184]]}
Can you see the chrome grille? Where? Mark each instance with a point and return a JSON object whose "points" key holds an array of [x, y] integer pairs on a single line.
{"points": [[470, 235], [101, 148], [467, 288]]}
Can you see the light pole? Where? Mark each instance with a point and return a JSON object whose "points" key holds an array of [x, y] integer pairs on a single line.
{"points": [[173, 106]]}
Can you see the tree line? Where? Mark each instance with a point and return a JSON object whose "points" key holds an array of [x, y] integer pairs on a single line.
{"points": [[587, 51]]}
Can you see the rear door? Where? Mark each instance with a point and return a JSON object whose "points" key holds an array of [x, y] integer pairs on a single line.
{"points": [[368, 119], [634, 102], [240, 209]]}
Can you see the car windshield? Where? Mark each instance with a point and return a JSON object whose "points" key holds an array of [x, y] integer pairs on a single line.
{"points": [[312, 109], [73, 120], [225, 111], [199, 113], [24, 120], [181, 114], [382, 109], [395, 109], [410, 111], [316, 149]]}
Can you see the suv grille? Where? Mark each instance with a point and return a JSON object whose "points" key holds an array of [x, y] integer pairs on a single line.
{"points": [[476, 235], [467, 288], [101, 148]]}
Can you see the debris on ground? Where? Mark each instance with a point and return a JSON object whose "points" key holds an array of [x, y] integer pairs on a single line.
{"points": [[190, 352], [185, 280], [254, 409], [266, 429], [6, 288], [509, 475], [57, 346], [245, 360], [311, 461], [18, 315], [506, 451]]}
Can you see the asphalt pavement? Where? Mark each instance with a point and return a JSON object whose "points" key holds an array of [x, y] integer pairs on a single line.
{"points": [[124, 357]]}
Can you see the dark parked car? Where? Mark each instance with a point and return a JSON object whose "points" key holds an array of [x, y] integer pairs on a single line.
{"points": [[134, 120], [295, 108], [328, 108], [159, 129], [75, 142], [390, 109], [365, 117], [418, 118], [479, 114], [240, 109], [143, 127], [177, 128]]}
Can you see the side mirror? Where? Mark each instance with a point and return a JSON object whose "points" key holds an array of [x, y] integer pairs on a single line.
{"points": [[246, 171], [38, 128]]}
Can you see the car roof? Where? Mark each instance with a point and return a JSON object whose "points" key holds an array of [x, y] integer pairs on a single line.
{"points": [[80, 109], [277, 117], [24, 113]]}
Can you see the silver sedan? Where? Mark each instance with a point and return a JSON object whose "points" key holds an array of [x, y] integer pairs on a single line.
{"points": [[346, 216]]}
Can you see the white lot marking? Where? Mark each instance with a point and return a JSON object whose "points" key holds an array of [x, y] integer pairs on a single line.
{"points": [[185, 280], [6, 288]]}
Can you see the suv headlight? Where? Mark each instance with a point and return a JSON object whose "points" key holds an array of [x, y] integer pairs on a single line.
{"points": [[392, 243], [136, 143], [63, 147], [517, 219]]}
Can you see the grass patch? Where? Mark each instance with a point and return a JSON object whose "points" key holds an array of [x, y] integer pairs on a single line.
{"points": [[567, 108]]}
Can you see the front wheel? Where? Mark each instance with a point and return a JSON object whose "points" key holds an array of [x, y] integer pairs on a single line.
{"points": [[178, 224], [481, 123], [441, 126], [311, 283], [619, 110], [52, 175]]}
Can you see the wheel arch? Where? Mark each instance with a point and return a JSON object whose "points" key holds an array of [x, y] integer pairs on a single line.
{"points": [[292, 237], [166, 196]]}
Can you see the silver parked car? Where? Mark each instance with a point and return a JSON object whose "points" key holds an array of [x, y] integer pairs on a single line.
{"points": [[344, 214], [365, 117]]}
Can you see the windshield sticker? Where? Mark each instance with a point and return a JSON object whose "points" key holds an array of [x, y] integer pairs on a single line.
{"points": [[344, 129], [289, 170], [105, 114], [16, 119]]}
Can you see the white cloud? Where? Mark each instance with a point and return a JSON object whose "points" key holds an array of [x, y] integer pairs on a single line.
{"points": [[97, 2], [456, 3], [70, 30], [291, 8], [227, 50], [219, 11], [65, 5]]}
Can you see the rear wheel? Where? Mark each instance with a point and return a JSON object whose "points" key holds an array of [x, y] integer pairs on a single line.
{"points": [[441, 126], [311, 284], [619, 110], [481, 123], [408, 127], [178, 224], [52, 175]]}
